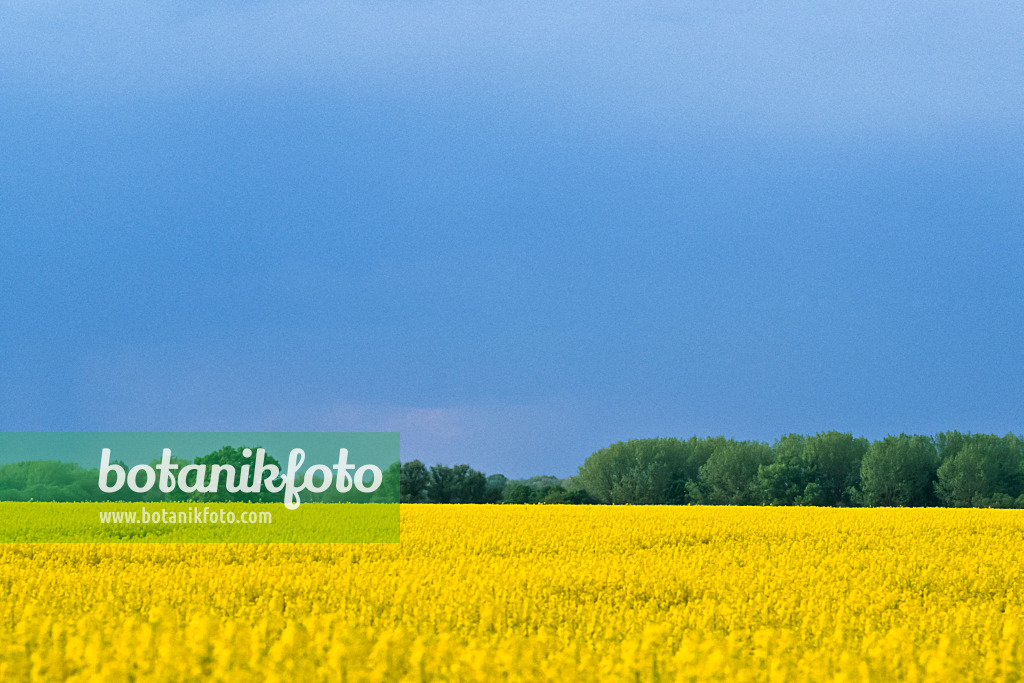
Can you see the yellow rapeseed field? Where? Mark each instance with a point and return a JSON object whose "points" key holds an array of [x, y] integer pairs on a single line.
{"points": [[539, 593]]}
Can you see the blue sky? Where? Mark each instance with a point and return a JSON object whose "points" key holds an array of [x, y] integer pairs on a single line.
{"points": [[513, 234]]}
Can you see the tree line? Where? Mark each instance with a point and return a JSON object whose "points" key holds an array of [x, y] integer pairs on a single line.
{"points": [[55, 481], [827, 469], [463, 484]]}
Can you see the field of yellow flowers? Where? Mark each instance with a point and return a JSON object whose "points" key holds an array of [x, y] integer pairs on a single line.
{"points": [[537, 593]]}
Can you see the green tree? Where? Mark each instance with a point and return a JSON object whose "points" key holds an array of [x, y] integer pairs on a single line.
{"points": [[966, 478], [231, 461], [783, 480], [390, 485], [949, 444], [49, 480], [155, 494], [730, 474], [637, 471], [899, 471], [441, 485], [578, 497], [470, 485], [540, 481], [813, 495], [833, 460], [414, 480], [519, 494], [458, 484], [496, 484], [986, 471], [553, 495]]}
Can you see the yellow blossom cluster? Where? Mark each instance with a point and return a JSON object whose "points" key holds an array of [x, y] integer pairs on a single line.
{"points": [[538, 593]]}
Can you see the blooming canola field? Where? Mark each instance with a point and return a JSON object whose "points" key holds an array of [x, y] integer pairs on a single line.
{"points": [[538, 593]]}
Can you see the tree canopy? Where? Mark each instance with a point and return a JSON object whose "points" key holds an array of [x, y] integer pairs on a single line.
{"points": [[828, 468]]}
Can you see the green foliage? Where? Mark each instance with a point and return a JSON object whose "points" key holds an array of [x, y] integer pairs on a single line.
{"points": [[965, 479], [833, 460], [783, 481], [579, 497], [640, 471], [823, 469], [458, 484], [813, 495], [495, 489], [519, 494], [472, 485], [390, 486], [414, 480], [49, 480], [979, 470], [899, 471], [950, 443], [729, 477], [441, 484], [553, 495], [541, 481], [232, 460], [829, 468], [497, 482]]}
